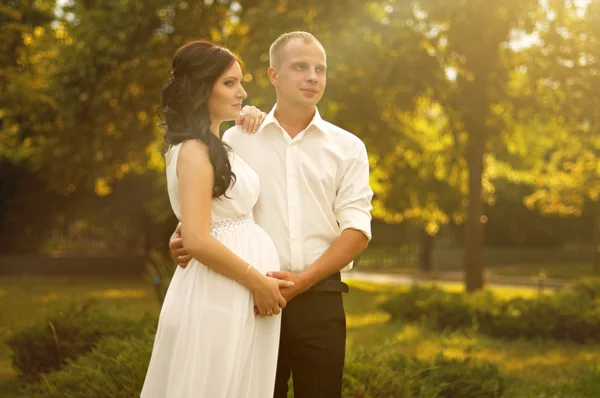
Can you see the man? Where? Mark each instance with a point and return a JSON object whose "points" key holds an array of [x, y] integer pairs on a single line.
{"points": [[315, 203]]}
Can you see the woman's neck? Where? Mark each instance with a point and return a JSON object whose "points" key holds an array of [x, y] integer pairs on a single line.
{"points": [[215, 129]]}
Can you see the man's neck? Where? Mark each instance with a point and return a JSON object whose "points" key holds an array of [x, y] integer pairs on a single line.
{"points": [[294, 119]]}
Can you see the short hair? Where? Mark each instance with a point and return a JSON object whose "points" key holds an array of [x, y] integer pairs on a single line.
{"points": [[279, 44]]}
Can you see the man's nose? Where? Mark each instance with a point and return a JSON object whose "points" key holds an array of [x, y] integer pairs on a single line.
{"points": [[312, 76]]}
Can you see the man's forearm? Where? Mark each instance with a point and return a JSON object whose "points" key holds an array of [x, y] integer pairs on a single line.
{"points": [[341, 252]]}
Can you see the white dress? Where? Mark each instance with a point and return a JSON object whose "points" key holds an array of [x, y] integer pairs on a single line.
{"points": [[209, 343]]}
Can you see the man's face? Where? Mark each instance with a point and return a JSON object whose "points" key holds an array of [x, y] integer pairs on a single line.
{"points": [[301, 76]]}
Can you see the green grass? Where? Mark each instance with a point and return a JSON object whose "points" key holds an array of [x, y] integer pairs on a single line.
{"points": [[534, 369], [26, 300]]}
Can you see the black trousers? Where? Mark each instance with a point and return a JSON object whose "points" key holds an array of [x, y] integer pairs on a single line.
{"points": [[312, 346]]}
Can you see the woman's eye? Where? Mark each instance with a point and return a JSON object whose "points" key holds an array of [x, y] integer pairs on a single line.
{"points": [[229, 83]]}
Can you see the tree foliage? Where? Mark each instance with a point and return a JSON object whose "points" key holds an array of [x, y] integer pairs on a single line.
{"points": [[453, 99]]}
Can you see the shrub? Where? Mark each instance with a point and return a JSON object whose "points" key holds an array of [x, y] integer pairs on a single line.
{"points": [[386, 374], [370, 373], [70, 333], [432, 305], [586, 287], [115, 368], [571, 314], [449, 378]]}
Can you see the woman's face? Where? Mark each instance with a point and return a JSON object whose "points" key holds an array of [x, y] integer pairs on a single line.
{"points": [[225, 102]]}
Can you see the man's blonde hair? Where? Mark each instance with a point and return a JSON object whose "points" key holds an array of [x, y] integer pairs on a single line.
{"points": [[279, 44]]}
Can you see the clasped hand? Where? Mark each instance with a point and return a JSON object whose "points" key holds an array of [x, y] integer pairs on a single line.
{"points": [[270, 293]]}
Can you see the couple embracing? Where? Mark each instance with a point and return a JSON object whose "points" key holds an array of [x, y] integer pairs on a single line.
{"points": [[268, 219]]}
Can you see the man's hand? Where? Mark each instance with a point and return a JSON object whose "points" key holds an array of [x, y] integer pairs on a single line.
{"points": [[178, 252], [288, 293], [250, 118]]}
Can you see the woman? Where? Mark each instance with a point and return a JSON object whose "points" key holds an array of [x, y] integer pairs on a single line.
{"points": [[210, 342]]}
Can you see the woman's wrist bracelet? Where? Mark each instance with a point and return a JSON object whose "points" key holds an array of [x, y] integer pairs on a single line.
{"points": [[245, 273]]}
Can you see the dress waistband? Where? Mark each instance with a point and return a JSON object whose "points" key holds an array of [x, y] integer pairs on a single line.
{"points": [[228, 224]]}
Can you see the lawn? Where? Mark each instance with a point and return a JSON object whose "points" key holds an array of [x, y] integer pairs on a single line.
{"points": [[534, 369]]}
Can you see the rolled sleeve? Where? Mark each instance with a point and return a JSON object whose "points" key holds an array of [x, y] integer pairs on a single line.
{"points": [[352, 206]]}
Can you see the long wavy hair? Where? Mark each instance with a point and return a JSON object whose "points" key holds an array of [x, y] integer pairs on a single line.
{"points": [[184, 104]]}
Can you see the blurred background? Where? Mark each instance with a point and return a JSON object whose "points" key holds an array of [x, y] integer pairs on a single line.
{"points": [[481, 118], [456, 101]]}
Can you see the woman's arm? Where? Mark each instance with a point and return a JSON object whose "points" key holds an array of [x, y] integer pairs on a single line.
{"points": [[195, 174]]}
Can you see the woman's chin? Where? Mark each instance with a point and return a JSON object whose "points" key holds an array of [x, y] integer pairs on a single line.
{"points": [[232, 117]]}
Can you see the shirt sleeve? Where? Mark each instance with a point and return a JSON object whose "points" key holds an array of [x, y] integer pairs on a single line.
{"points": [[352, 206]]}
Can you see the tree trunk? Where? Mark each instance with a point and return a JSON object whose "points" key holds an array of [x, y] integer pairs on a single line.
{"points": [[425, 259], [473, 261], [596, 238]]}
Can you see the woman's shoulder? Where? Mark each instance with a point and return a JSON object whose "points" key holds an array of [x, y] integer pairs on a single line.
{"points": [[189, 151], [171, 154]]}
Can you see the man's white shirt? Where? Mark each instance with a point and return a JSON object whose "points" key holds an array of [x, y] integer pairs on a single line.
{"points": [[312, 187]]}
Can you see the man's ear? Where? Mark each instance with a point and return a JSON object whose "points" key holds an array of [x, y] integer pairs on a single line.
{"points": [[272, 72]]}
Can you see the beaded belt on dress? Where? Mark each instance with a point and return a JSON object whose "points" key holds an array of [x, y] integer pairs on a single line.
{"points": [[231, 223]]}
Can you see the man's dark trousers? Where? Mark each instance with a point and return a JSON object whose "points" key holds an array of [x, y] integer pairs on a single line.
{"points": [[312, 344]]}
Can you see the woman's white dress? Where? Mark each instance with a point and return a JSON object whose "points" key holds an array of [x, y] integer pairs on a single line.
{"points": [[209, 343]]}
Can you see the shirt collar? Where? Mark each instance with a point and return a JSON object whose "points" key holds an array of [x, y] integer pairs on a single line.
{"points": [[316, 121]]}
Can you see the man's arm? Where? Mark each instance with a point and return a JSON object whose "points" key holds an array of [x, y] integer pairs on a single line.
{"points": [[352, 209], [341, 252], [178, 252]]}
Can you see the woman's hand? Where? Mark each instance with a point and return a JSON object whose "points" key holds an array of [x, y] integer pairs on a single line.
{"points": [[267, 297], [250, 118]]}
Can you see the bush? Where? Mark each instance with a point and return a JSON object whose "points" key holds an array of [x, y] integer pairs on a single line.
{"points": [[72, 332], [571, 314], [449, 378], [586, 287], [432, 306], [378, 374], [518, 317], [115, 368], [385, 374]]}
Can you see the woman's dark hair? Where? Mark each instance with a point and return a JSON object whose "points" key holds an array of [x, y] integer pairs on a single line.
{"points": [[184, 104]]}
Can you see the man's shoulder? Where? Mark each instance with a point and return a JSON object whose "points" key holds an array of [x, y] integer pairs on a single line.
{"points": [[341, 135], [233, 133]]}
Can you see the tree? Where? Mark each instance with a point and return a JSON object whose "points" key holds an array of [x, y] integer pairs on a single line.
{"points": [[87, 117], [470, 40], [565, 67], [20, 23]]}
